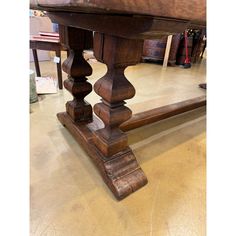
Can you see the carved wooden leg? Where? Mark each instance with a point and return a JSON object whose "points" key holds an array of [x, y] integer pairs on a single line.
{"points": [[77, 68], [107, 146], [124, 173]]}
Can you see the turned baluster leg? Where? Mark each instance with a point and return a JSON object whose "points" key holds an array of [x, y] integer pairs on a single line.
{"points": [[124, 173], [77, 68]]}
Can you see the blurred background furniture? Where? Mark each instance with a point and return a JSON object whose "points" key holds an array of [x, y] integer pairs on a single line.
{"points": [[154, 49], [46, 43], [37, 24]]}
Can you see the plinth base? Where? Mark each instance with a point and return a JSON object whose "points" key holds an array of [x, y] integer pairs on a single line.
{"points": [[121, 172]]}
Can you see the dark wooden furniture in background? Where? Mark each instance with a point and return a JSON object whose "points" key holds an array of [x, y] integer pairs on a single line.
{"points": [[154, 50], [199, 44], [52, 45], [118, 42]]}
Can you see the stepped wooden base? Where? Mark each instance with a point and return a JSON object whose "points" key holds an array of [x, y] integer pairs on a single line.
{"points": [[118, 43], [121, 172]]}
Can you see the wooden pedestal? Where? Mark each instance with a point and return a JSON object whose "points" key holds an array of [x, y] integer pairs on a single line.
{"points": [[106, 144], [121, 172], [118, 42]]}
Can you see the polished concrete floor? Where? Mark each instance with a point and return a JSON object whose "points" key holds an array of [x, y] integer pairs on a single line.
{"points": [[68, 196]]}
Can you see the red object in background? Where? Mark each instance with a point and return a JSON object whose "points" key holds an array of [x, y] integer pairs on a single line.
{"points": [[187, 63]]}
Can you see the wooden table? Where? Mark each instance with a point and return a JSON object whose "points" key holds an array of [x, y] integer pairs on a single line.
{"points": [[117, 42], [52, 45]]}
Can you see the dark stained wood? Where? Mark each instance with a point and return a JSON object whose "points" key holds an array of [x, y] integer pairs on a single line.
{"points": [[112, 144], [77, 68], [117, 43], [198, 47], [122, 173], [117, 53], [36, 62], [106, 144], [192, 10], [160, 113], [154, 50], [133, 27]]}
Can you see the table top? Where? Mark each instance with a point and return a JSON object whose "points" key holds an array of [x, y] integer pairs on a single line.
{"points": [[140, 19], [194, 10]]}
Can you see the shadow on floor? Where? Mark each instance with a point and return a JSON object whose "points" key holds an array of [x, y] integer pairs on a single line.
{"points": [[167, 134]]}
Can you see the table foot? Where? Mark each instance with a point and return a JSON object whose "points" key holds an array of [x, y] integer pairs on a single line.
{"points": [[121, 172], [203, 86]]}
